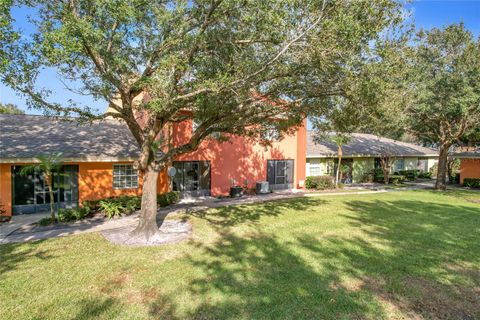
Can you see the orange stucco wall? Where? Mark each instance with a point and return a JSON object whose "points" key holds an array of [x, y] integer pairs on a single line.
{"points": [[95, 181], [242, 159], [469, 168], [6, 188], [239, 159]]}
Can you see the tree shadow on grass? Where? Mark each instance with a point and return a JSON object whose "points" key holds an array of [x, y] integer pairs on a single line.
{"points": [[404, 258], [252, 213], [421, 258], [12, 255]]}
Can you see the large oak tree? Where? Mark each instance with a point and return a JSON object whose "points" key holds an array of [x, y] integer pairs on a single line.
{"points": [[219, 63], [445, 79]]}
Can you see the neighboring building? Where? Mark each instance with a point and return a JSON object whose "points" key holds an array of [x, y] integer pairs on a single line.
{"points": [[362, 155], [469, 164], [99, 157]]}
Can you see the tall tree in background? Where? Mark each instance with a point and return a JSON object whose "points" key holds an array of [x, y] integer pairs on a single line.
{"points": [[219, 63], [445, 77], [340, 139], [10, 108]]}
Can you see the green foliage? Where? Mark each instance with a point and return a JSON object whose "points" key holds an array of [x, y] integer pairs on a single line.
{"points": [[425, 175], [396, 179], [471, 182], [73, 214], [116, 206], [166, 199], [434, 170], [218, 59], [320, 182], [10, 108], [45, 221], [411, 174], [111, 208], [445, 73]]}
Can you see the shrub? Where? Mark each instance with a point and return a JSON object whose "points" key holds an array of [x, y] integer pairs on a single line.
{"points": [[320, 182], [471, 182], [73, 214], [409, 174], [396, 179], [111, 208], [309, 183], [91, 204], [425, 175], [168, 198], [45, 221]]}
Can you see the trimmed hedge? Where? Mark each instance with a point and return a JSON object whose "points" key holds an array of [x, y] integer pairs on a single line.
{"points": [[471, 182], [320, 182]]}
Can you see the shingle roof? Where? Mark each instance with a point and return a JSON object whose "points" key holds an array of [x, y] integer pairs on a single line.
{"points": [[366, 145], [26, 136], [474, 154]]}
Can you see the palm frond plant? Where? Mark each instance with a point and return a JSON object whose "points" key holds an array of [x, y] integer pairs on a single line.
{"points": [[47, 166]]}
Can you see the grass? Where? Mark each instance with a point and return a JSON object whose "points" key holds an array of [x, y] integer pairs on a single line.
{"points": [[400, 255]]}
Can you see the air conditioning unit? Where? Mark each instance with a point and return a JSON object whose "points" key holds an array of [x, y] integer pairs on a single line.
{"points": [[262, 187]]}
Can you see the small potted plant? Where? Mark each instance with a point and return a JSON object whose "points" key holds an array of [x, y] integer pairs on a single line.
{"points": [[235, 190]]}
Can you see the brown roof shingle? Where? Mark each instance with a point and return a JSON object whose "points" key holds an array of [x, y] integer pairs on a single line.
{"points": [[366, 145], [27, 136]]}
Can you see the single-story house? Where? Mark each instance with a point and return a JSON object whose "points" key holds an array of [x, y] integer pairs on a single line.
{"points": [[469, 164], [98, 162], [362, 155]]}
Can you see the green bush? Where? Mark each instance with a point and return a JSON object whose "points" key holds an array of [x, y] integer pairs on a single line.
{"points": [[168, 198], [396, 179], [73, 214], [320, 182], [309, 183], [111, 208], [471, 182], [409, 174], [425, 175], [45, 221]]}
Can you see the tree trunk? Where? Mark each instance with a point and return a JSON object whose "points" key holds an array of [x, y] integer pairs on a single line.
{"points": [[48, 180], [442, 167], [386, 169], [147, 224], [337, 176]]}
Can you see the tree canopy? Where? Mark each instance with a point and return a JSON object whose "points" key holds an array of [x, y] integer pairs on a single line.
{"points": [[10, 108], [234, 67]]}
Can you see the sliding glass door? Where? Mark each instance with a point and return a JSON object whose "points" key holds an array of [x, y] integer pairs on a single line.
{"points": [[192, 177], [31, 194]]}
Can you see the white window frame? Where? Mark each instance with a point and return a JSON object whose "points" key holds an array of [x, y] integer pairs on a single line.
{"points": [[124, 177], [402, 161]]}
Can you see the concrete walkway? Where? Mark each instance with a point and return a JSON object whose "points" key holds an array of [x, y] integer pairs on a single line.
{"points": [[22, 228], [19, 221]]}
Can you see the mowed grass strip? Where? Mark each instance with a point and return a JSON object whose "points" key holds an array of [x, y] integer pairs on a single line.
{"points": [[401, 255]]}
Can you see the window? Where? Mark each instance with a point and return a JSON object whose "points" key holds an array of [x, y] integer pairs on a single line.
{"points": [[315, 167], [399, 164], [124, 176]]}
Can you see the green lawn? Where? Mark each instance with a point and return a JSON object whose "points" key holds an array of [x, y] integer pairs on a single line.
{"points": [[398, 255]]}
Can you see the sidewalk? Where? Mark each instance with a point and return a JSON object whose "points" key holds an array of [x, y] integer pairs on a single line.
{"points": [[21, 228]]}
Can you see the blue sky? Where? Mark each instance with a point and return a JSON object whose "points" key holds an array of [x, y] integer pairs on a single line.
{"points": [[426, 14]]}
